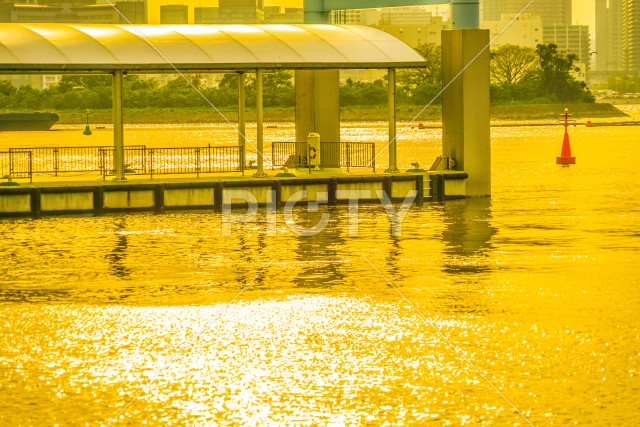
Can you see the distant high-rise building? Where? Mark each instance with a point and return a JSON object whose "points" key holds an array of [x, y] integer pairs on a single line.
{"points": [[404, 16], [571, 38], [526, 30], [631, 35], [135, 12], [609, 35], [74, 11], [412, 25], [491, 10], [206, 15], [552, 12], [5, 11], [362, 16], [174, 14], [291, 15], [270, 10], [241, 11]]}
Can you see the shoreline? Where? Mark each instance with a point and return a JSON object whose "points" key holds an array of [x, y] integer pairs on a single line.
{"points": [[516, 113]]}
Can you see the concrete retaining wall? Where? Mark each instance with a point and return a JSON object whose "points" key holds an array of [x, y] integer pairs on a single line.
{"points": [[15, 203], [121, 197], [123, 200]]}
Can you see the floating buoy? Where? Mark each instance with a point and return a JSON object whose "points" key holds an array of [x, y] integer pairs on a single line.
{"points": [[87, 129], [565, 158], [420, 125], [589, 123]]}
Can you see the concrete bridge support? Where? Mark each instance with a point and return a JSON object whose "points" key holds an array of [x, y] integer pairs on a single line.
{"points": [[465, 106], [318, 104]]}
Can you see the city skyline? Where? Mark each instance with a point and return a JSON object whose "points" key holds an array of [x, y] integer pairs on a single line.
{"points": [[154, 6], [583, 10]]}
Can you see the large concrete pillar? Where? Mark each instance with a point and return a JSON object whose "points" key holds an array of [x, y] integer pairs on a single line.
{"points": [[118, 128], [318, 93], [318, 104], [465, 106]]}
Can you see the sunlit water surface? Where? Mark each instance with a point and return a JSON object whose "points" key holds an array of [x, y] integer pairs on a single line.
{"points": [[481, 312]]}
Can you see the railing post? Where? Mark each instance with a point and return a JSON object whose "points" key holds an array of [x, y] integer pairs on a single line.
{"points": [[273, 163], [373, 155], [198, 162], [10, 163], [143, 158], [242, 154], [55, 161], [151, 162], [30, 166], [348, 155], [101, 162]]}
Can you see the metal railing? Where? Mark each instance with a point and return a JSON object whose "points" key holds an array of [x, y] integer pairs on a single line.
{"points": [[290, 154], [16, 164], [135, 160], [332, 154], [24, 162], [55, 160], [195, 160]]}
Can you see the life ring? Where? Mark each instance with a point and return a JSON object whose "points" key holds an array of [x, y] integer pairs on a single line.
{"points": [[312, 153]]}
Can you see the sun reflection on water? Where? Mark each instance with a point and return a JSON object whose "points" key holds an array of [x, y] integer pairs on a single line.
{"points": [[537, 287]]}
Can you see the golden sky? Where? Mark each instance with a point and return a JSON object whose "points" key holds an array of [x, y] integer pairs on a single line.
{"points": [[584, 13]]}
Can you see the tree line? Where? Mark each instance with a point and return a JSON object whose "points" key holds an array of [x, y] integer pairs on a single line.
{"points": [[544, 74]]}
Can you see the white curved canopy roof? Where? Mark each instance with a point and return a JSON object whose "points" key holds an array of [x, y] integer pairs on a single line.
{"points": [[158, 48]]}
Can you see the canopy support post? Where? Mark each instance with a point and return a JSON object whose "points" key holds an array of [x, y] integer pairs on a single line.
{"points": [[242, 135], [393, 167], [259, 124], [118, 129]]}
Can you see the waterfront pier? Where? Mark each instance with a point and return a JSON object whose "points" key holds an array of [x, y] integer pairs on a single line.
{"points": [[119, 50]]}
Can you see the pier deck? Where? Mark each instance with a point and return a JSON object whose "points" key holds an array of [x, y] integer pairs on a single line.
{"points": [[80, 195]]}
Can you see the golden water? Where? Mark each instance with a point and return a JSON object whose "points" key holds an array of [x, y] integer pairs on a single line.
{"points": [[159, 320]]}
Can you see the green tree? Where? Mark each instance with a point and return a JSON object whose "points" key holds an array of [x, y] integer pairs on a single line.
{"points": [[363, 93], [623, 84], [431, 73], [421, 85], [278, 89], [28, 98], [180, 93], [510, 64], [7, 88], [69, 83], [556, 79]]}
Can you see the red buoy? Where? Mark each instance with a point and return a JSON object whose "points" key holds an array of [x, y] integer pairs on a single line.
{"points": [[565, 156]]}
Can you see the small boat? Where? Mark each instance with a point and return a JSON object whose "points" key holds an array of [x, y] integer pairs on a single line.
{"points": [[27, 121]]}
